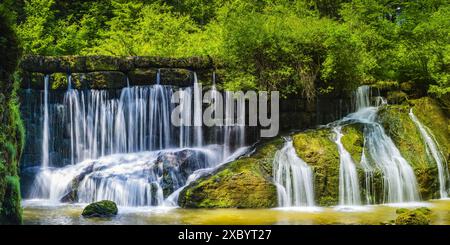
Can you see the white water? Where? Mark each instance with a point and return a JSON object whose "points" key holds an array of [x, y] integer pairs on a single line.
{"points": [[400, 184], [45, 125], [293, 178], [432, 148], [114, 143], [198, 116], [132, 179], [349, 191]]}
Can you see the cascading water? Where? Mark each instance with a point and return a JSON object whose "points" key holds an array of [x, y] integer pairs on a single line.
{"points": [[400, 184], [293, 178], [349, 192], [46, 127], [432, 149], [133, 179], [198, 119], [120, 146]]}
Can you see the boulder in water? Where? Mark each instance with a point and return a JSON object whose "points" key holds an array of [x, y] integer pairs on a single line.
{"points": [[103, 208], [419, 216]]}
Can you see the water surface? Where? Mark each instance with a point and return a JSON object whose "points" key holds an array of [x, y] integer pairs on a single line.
{"points": [[36, 212]]}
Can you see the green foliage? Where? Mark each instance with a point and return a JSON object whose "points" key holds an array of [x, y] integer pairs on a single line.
{"points": [[11, 212], [305, 46], [11, 128]]}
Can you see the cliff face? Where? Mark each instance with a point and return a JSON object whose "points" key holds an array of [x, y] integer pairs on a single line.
{"points": [[11, 128]]}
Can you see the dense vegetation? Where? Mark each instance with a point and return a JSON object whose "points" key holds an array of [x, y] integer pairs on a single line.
{"points": [[307, 46], [12, 133]]}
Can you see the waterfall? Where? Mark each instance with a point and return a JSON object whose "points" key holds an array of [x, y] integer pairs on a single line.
{"points": [[400, 184], [186, 115], [133, 179], [293, 178], [45, 125], [349, 193], [198, 116], [99, 125], [432, 149], [121, 146]]}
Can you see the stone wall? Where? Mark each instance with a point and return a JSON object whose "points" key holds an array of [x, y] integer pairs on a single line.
{"points": [[107, 72]]}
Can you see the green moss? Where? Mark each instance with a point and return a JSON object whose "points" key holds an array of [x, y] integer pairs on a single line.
{"points": [[396, 97], [419, 216], [59, 81], [103, 208], [399, 126], [244, 183], [316, 149], [432, 115], [11, 128], [353, 140], [101, 63], [404, 133], [11, 212]]}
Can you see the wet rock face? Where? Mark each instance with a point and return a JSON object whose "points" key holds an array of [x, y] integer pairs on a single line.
{"points": [[407, 138], [317, 149], [102, 209], [244, 183], [175, 168], [172, 168], [72, 194]]}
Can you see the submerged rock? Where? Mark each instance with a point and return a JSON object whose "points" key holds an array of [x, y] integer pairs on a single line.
{"points": [[103, 208], [244, 183]]}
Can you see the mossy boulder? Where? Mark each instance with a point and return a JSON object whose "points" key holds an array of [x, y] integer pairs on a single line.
{"points": [[103, 208], [317, 149], [244, 183], [419, 216]]}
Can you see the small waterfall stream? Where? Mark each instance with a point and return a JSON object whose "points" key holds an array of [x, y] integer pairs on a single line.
{"points": [[432, 148], [349, 191], [400, 184], [46, 127], [293, 178]]}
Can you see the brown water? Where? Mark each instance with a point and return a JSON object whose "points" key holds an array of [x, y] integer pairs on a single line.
{"points": [[35, 213]]}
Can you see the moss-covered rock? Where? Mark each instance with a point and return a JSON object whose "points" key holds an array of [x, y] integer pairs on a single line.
{"points": [[103, 208], [317, 149], [244, 183], [406, 136], [353, 140], [432, 115], [419, 216]]}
